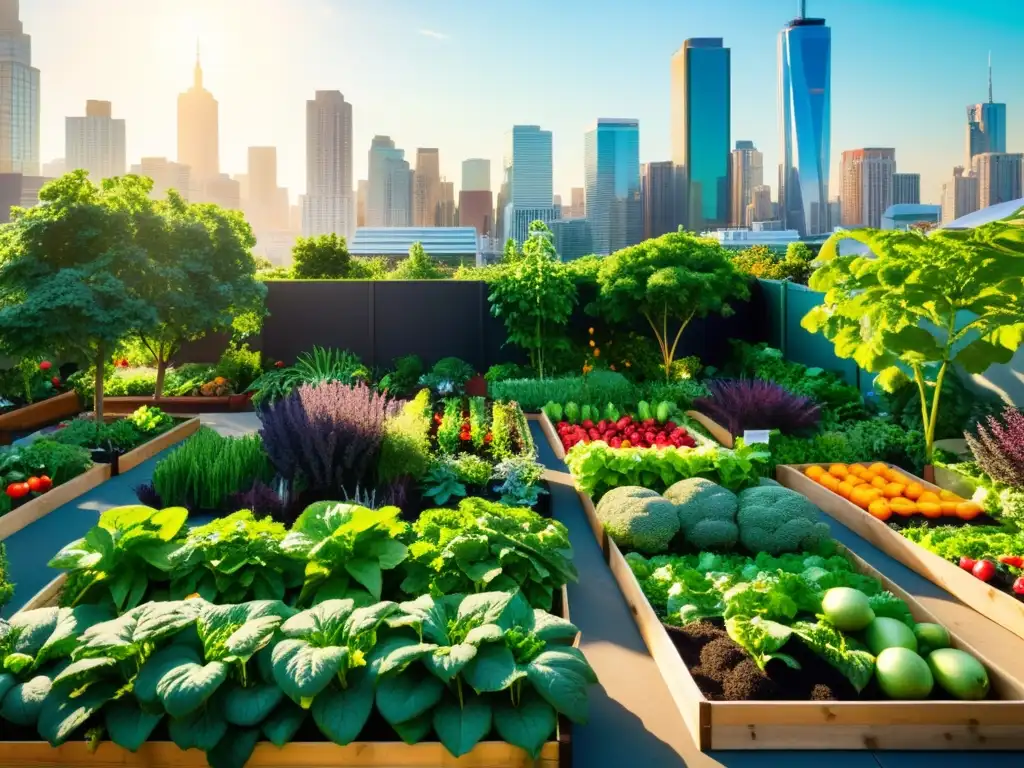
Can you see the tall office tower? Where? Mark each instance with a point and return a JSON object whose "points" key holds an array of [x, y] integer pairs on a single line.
{"points": [[557, 201], [476, 209], [266, 204], [426, 189], [19, 96], [55, 168], [389, 188], [95, 142], [986, 125], [446, 205], [760, 207], [835, 211], [906, 189], [656, 189], [476, 175], [611, 171], [223, 191], [747, 173], [701, 113], [959, 195], [805, 124], [329, 207], [165, 175], [867, 185], [999, 177], [198, 132], [527, 192], [361, 188], [578, 203]]}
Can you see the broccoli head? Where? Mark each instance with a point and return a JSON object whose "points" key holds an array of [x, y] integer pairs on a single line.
{"points": [[774, 519], [638, 519], [707, 513]]}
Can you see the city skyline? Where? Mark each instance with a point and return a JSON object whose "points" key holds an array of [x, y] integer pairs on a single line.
{"points": [[261, 98]]}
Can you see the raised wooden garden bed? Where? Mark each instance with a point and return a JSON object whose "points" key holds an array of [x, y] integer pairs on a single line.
{"points": [[180, 406], [56, 497], [148, 450], [36, 415], [833, 725], [1000, 607]]}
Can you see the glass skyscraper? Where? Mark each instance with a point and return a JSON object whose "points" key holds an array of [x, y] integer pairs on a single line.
{"points": [[19, 96], [701, 146], [611, 172], [805, 114], [986, 125]]}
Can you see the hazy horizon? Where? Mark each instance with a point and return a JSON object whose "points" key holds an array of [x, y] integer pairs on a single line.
{"points": [[458, 75]]}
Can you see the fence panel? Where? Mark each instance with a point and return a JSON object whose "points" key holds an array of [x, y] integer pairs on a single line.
{"points": [[812, 349]]}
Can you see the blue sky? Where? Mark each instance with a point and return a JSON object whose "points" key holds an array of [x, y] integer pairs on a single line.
{"points": [[456, 74]]}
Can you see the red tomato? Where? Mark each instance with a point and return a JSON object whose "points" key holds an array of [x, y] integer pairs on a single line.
{"points": [[34, 484], [45, 483], [45, 365], [18, 490], [55, 381], [984, 570]]}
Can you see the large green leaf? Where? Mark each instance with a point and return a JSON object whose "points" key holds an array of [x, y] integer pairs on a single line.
{"points": [[158, 665], [447, 662], [84, 671], [526, 726], [407, 695], [341, 713], [461, 728], [415, 730], [561, 677], [183, 690], [250, 706], [366, 572], [123, 637], [127, 725], [234, 749], [283, 723], [493, 669], [303, 671], [24, 701], [202, 729], [61, 714], [553, 629]]}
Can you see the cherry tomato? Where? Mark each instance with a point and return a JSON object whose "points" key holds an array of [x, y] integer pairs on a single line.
{"points": [[45, 365], [34, 484], [45, 483], [966, 563], [18, 490], [984, 570], [1018, 586], [55, 381]]}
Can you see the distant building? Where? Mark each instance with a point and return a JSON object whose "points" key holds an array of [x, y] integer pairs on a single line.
{"points": [[578, 203], [476, 209], [55, 168], [456, 245], [518, 220], [361, 188], [165, 175], [656, 193], [266, 204], [701, 115], [867, 185], [198, 129], [389, 188], [527, 194], [223, 191], [986, 125], [906, 189], [959, 195], [19, 190], [999, 177], [476, 175], [96, 142], [329, 204], [426, 187], [835, 211], [611, 167], [572, 238], [760, 207], [777, 239], [747, 174], [19, 97], [903, 216], [446, 205]]}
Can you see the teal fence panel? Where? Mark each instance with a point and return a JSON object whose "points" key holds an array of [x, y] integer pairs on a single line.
{"points": [[773, 293], [813, 349]]}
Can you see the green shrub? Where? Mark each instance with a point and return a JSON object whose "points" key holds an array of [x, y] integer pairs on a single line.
{"points": [[598, 387], [61, 462], [6, 587], [205, 470], [506, 371], [314, 368], [402, 381], [119, 436], [870, 440], [182, 381], [405, 451], [239, 365]]}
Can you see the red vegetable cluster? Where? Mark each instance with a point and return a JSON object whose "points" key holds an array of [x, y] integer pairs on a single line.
{"points": [[626, 433], [39, 484]]}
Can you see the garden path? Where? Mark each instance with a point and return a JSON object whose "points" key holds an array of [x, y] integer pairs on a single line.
{"points": [[633, 721]]}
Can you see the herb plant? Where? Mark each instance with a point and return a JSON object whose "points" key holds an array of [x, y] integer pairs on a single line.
{"points": [[314, 368], [450, 428], [744, 404], [441, 483], [998, 447], [405, 450]]}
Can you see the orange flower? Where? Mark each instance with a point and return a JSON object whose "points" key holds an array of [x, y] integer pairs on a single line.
{"points": [[628, 364], [587, 368], [590, 331], [592, 343], [597, 352], [612, 366]]}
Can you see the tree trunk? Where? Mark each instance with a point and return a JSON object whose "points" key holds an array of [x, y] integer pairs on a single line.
{"points": [[98, 391], [161, 372]]}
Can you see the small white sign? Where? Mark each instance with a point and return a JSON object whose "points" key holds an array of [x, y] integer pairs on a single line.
{"points": [[751, 436]]}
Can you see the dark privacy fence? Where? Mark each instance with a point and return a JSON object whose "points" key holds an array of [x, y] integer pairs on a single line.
{"points": [[380, 321]]}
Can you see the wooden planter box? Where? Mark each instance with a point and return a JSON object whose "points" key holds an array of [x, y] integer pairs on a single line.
{"points": [[56, 497], [951, 480], [842, 725], [179, 406], [1000, 607], [36, 415], [720, 434], [148, 450]]}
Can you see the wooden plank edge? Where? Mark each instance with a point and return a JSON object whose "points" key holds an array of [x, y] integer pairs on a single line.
{"points": [[47, 596], [552, 435], [148, 450], [996, 605], [41, 413], [39, 507], [720, 433]]}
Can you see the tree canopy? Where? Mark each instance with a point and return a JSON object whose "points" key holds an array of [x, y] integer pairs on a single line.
{"points": [[321, 257], [417, 266]]}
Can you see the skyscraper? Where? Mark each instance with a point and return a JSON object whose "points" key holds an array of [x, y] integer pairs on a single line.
{"points": [[867, 185], [578, 203], [95, 142], [476, 175], [527, 190], [445, 205], [986, 124], [426, 187], [165, 175], [701, 114], [999, 177], [476, 209], [760, 206], [389, 188], [198, 132], [361, 187], [266, 204], [747, 173], [329, 206], [959, 195], [906, 189], [656, 188], [19, 96], [805, 123], [611, 170]]}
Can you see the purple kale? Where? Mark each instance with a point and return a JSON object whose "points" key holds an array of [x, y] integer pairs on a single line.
{"points": [[148, 496], [741, 404], [262, 500], [327, 437], [999, 447]]}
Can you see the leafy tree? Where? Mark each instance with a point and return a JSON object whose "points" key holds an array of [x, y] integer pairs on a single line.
{"points": [[900, 309], [512, 253], [669, 280], [762, 262], [418, 266], [321, 257], [535, 297], [374, 268], [201, 277], [71, 272]]}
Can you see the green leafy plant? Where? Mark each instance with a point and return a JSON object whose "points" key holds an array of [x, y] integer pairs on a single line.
{"points": [[441, 483], [520, 477], [479, 424], [668, 281], [535, 296], [505, 371], [402, 381], [597, 387], [312, 368], [150, 420], [901, 308], [472, 469], [239, 365], [450, 429], [405, 450], [6, 587], [321, 257], [418, 266], [510, 432], [43, 457]]}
